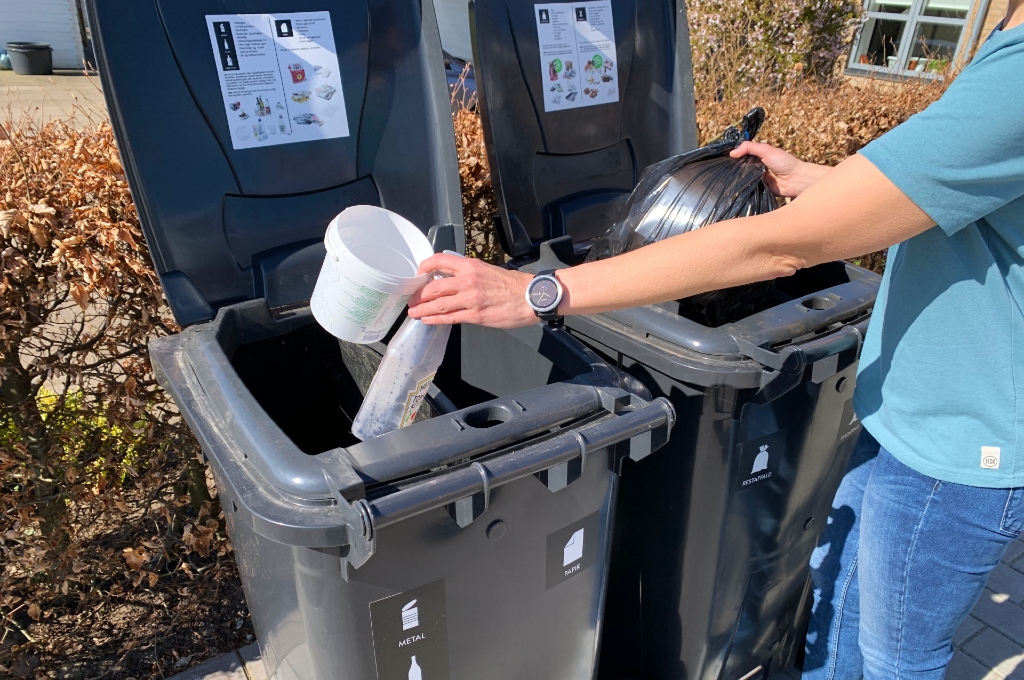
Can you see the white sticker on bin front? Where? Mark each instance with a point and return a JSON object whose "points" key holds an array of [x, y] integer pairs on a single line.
{"points": [[279, 77], [577, 54]]}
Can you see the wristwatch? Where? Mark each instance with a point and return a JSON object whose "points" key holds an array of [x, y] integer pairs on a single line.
{"points": [[544, 294]]}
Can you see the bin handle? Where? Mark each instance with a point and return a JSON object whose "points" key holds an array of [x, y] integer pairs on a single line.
{"points": [[789, 363], [642, 431]]}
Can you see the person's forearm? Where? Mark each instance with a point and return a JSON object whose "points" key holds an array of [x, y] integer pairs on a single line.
{"points": [[808, 175], [850, 210], [829, 221], [718, 256]]}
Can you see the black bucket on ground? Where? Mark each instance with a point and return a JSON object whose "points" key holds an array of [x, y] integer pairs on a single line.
{"points": [[31, 58]]}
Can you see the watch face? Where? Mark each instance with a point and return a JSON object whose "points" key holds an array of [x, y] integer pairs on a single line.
{"points": [[543, 293]]}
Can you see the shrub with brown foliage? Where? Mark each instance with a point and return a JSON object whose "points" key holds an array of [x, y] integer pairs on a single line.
{"points": [[478, 205], [106, 518], [821, 122]]}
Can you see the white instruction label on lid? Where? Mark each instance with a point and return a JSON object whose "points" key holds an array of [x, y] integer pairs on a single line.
{"points": [[279, 77], [577, 54]]}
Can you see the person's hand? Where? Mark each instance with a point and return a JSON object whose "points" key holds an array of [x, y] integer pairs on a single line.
{"points": [[787, 175], [475, 292]]}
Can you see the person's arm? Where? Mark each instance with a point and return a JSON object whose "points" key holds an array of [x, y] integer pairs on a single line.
{"points": [[851, 210]]}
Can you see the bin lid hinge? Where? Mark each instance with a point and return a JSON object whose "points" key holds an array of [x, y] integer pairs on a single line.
{"points": [[361, 537]]}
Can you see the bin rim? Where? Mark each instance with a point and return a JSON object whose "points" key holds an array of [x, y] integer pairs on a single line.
{"points": [[344, 516], [27, 46]]}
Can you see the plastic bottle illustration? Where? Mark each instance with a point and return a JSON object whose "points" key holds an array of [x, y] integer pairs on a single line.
{"points": [[280, 123], [414, 671]]}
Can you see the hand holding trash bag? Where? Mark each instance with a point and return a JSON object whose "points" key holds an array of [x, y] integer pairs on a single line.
{"points": [[691, 191], [787, 175], [849, 210]]}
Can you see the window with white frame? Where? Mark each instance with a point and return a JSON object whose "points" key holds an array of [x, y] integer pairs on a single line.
{"points": [[908, 37]]}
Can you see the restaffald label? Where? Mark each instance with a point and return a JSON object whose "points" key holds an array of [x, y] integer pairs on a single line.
{"points": [[760, 458]]}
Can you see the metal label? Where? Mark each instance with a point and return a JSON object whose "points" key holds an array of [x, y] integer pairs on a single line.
{"points": [[760, 458], [410, 634], [572, 550]]}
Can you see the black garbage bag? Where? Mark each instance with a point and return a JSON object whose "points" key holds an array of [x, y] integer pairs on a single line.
{"points": [[690, 191]]}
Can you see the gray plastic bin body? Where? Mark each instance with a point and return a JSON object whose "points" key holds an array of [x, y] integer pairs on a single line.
{"points": [[480, 500], [473, 543], [720, 527], [710, 564], [709, 577]]}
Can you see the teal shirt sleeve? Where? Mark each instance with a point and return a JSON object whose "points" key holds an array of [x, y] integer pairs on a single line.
{"points": [[963, 157]]}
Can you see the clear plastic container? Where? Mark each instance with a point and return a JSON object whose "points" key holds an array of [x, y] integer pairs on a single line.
{"points": [[400, 385]]}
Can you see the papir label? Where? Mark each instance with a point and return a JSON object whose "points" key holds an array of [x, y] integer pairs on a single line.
{"points": [[573, 549]]}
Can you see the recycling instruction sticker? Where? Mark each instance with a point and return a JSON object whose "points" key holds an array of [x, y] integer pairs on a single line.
{"points": [[410, 634], [577, 54], [279, 77]]}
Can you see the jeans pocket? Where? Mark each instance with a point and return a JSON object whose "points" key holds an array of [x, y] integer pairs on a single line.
{"points": [[1013, 513]]}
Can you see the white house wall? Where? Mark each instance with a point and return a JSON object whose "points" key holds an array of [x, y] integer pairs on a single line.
{"points": [[49, 21]]}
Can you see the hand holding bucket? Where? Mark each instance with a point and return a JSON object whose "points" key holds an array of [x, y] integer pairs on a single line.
{"points": [[369, 273]]}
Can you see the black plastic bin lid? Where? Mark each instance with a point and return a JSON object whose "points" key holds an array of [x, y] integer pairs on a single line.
{"points": [[577, 98], [245, 126]]}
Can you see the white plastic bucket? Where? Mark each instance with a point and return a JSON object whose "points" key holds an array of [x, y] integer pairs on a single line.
{"points": [[369, 273]]}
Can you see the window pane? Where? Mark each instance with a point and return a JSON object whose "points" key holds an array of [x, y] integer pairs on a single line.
{"points": [[934, 47], [894, 6], [880, 42], [951, 9]]}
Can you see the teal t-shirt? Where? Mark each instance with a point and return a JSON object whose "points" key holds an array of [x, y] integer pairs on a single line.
{"points": [[941, 378]]}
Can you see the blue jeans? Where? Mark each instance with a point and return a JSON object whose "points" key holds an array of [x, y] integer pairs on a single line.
{"points": [[902, 562]]}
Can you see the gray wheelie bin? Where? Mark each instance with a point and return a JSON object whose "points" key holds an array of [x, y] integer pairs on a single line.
{"points": [[709, 577], [473, 543]]}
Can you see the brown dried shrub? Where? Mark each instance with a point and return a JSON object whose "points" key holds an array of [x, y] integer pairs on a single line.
{"points": [[105, 510]]}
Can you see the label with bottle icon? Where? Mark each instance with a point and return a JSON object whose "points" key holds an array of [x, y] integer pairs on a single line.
{"points": [[410, 634], [268, 66]]}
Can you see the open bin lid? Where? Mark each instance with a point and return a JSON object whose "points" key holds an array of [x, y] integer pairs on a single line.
{"points": [[245, 126], [577, 98]]}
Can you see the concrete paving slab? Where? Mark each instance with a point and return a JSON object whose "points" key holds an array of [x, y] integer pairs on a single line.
{"points": [[1005, 617], [252, 661], [1009, 582], [968, 629], [1013, 551], [224, 667], [963, 667], [71, 96], [997, 653]]}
